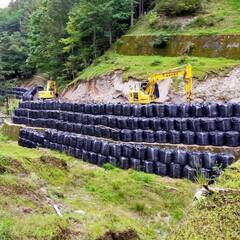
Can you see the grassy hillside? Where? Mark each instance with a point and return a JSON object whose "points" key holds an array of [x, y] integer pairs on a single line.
{"points": [[140, 67], [218, 216], [216, 17], [92, 200]]}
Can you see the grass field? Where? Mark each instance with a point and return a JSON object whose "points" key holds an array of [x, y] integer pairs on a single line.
{"points": [[92, 200], [216, 17]]}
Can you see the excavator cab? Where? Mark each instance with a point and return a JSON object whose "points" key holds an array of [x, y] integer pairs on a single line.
{"points": [[50, 92]]}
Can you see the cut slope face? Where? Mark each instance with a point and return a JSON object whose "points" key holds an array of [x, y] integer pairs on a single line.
{"points": [[111, 88]]}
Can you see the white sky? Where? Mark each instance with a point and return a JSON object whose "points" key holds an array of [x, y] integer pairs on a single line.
{"points": [[4, 3]]}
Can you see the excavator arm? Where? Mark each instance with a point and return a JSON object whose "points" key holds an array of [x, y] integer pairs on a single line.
{"points": [[148, 94]]}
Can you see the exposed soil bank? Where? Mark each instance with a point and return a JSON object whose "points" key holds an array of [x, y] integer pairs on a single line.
{"points": [[112, 88], [227, 46]]}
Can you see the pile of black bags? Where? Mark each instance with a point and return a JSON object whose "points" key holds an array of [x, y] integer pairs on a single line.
{"points": [[200, 124], [175, 163], [16, 92]]}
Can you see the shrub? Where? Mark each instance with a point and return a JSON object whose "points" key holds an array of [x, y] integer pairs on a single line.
{"points": [[178, 8]]}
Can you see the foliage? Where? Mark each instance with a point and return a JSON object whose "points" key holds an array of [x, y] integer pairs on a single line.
{"points": [[178, 8]]}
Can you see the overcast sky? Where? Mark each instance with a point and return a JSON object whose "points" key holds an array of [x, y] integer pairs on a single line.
{"points": [[4, 3]]}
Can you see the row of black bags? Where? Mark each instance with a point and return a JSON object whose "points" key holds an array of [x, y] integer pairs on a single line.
{"points": [[165, 162], [215, 138], [136, 110], [16, 92], [178, 124]]}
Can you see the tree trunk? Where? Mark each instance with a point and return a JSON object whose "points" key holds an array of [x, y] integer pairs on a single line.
{"points": [[132, 13], [110, 36], [94, 44]]}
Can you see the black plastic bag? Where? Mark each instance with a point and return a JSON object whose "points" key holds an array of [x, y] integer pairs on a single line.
{"points": [[148, 167], [224, 124], [236, 124], [137, 110], [132, 123], [232, 139], [175, 170], [226, 110], [117, 109], [168, 124], [159, 110], [126, 110], [126, 135], [127, 150], [180, 157], [149, 136], [217, 138], [194, 124], [172, 110], [140, 152], [236, 110], [197, 110], [97, 145], [161, 169], [116, 150], [135, 164], [209, 159], [93, 158], [102, 159], [105, 148], [189, 173], [124, 163], [122, 123], [208, 124], [155, 124], [195, 159], [174, 137], [153, 154], [202, 138], [161, 137], [116, 134], [184, 110], [137, 135], [181, 124], [225, 159], [166, 156], [113, 161], [211, 110]]}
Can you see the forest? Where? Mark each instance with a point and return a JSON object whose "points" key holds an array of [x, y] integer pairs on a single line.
{"points": [[61, 37]]}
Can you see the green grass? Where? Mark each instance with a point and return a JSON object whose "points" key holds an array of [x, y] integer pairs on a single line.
{"points": [[140, 67], [217, 17], [110, 199], [218, 216]]}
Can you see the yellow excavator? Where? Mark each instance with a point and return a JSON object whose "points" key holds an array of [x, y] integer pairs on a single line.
{"points": [[50, 92], [149, 93]]}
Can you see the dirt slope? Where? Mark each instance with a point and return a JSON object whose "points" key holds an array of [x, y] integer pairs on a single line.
{"points": [[111, 88]]}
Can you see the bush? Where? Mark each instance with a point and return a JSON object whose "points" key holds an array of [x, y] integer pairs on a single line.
{"points": [[178, 8]]}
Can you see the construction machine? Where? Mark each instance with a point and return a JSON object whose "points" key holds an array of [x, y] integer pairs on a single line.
{"points": [[50, 92], [149, 92]]}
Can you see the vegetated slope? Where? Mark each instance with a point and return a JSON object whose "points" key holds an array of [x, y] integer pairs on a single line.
{"points": [[111, 76], [215, 17], [93, 200], [218, 216]]}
